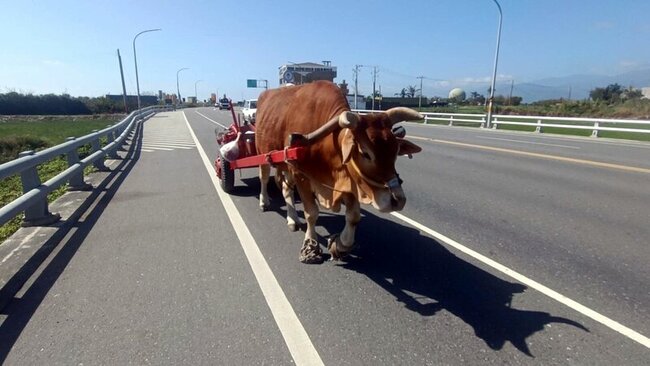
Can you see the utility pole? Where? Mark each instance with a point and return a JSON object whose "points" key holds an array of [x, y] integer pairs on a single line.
{"points": [[374, 82], [356, 84], [488, 123], [420, 101], [119, 58], [512, 85], [569, 92]]}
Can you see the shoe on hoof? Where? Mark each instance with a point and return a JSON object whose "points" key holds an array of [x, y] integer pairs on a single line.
{"points": [[336, 248]]}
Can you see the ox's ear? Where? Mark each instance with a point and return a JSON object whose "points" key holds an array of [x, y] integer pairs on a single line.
{"points": [[406, 147], [347, 145]]}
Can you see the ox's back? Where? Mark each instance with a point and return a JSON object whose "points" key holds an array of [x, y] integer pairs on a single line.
{"points": [[299, 109]]}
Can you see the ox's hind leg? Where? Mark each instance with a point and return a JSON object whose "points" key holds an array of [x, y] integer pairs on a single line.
{"points": [[340, 245], [310, 252], [265, 172], [287, 191]]}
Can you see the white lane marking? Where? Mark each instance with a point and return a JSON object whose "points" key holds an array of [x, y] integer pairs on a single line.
{"points": [[25, 240], [180, 143], [146, 150], [209, 119], [148, 145], [159, 148], [294, 334], [527, 142], [634, 335]]}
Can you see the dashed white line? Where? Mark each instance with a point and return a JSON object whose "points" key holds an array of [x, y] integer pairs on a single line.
{"points": [[209, 119], [300, 346]]}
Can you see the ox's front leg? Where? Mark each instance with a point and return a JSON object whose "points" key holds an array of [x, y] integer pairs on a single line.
{"points": [[265, 172], [310, 252], [341, 245], [287, 191]]}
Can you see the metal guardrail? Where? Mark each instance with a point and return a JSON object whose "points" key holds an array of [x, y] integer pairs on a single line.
{"points": [[593, 124], [34, 199]]}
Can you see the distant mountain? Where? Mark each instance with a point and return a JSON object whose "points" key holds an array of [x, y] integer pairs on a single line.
{"points": [[576, 87], [580, 85]]}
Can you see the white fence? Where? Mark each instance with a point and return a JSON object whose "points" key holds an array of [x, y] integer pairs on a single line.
{"points": [[595, 125]]}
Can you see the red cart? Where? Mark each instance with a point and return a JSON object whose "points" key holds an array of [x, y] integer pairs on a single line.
{"points": [[244, 134]]}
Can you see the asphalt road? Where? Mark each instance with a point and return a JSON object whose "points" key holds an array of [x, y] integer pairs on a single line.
{"points": [[157, 272]]}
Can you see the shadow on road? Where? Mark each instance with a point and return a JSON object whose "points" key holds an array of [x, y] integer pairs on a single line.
{"points": [[20, 310], [426, 277]]}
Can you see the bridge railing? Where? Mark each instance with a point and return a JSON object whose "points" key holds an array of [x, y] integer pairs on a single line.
{"points": [[33, 201], [595, 125]]}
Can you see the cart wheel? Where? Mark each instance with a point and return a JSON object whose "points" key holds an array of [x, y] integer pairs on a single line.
{"points": [[227, 180]]}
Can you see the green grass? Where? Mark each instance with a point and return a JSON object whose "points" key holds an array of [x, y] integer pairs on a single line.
{"points": [[19, 134], [53, 129]]}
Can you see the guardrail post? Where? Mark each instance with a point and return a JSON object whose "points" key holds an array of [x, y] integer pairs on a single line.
{"points": [[426, 118], [538, 128], [99, 163], [495, 122], [482, 122], [37, 214], [451, 120], [76, 182], [594, 133], [110, 138]]}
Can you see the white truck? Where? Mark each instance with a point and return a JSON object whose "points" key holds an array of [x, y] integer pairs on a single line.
{"points": [[250, 110]]}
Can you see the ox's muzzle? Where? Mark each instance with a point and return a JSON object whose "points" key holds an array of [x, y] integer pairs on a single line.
{"points": [[391, 198]]}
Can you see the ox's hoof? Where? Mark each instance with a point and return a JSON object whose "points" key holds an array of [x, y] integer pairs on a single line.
{"points": [[264, 208], [310, 253], [336, 247], [292, 227]]}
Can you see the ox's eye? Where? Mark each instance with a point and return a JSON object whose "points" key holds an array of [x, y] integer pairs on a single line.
{"points": [[365, 155]]}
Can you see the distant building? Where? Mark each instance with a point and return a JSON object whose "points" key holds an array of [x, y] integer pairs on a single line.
{"points": [[646, 92], [145, 100], [306, 72]]}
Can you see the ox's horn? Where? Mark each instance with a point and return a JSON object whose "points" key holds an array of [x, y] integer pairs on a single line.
{"points": [[344, 120], [399, 114], [348, 120]]}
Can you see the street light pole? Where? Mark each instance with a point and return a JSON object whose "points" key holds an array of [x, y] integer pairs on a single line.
{"points": [[196, 95], [178, 89], [420, 101], [135, 59], [494, 73]]}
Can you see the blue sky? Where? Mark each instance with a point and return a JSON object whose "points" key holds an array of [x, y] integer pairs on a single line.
{"points": [[70, 46]]}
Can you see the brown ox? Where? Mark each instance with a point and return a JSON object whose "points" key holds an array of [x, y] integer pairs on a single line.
{"points": [[350, 158]]}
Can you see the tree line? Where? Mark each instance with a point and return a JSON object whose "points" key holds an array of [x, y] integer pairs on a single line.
{"points": [[51, 104]]}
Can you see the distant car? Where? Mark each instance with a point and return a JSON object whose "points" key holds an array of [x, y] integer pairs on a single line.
{"points": [[224, 103], [250, 110]]}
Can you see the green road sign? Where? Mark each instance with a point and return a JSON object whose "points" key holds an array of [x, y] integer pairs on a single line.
{"points": [[250, 83]]}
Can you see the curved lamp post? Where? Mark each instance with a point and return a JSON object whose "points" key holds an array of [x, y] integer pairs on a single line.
{"points": [[135, 58], [177, 88], [494, 73], [195, 93]]}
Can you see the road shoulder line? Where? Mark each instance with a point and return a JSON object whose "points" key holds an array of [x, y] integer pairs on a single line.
{"points": [[631, 334], [297, 340]]}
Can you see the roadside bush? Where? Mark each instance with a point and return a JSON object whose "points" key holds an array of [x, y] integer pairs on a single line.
{"points": [[10, 147]]}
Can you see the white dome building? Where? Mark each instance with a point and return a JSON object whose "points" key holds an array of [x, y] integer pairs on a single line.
{"points": [[457, 95]]}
